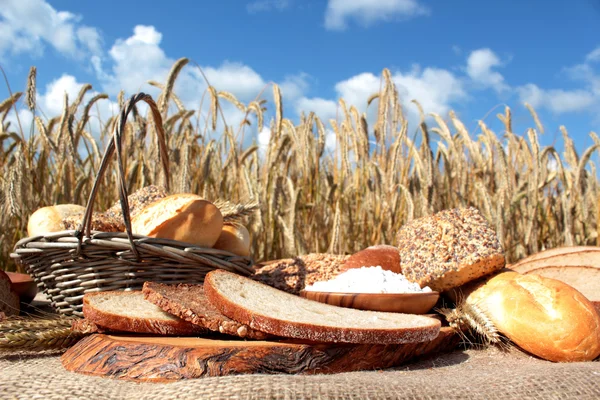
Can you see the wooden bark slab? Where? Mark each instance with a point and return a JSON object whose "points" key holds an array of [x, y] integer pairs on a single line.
{"points": [[161, 359]]}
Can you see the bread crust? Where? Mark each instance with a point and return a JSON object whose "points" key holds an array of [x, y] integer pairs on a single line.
{"points": [[118, 322], [189, 303], [543, 316], [9, 299], [319, 333]]}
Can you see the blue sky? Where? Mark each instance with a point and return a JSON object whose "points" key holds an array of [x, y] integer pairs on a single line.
{"points": [[469, 56]]}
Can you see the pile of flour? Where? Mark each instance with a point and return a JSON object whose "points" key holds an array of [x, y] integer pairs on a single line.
{"points": [[368, 280]]}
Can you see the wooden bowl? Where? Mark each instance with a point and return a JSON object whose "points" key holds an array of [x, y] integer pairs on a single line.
{"points": [[407, 303], [24, 286]]}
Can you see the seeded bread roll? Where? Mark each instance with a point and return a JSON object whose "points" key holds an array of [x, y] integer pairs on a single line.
{"points": [[449, 249], [184, 217], [543, 316], [137, 201], [292, 275]]}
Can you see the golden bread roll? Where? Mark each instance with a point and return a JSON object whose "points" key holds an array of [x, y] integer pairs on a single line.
{"points": [[543, 316], [234, 239], [385, 256], [51, 219], [184, 217]]}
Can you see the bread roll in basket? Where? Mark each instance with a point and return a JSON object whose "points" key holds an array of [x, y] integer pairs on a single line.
{"points": [[70, 263]]}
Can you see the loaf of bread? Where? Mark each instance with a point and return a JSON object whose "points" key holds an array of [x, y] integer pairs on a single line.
{"points": [[577, 266], [449, 249], [9, 299], [293, 274], [234, 239], [385, 256], [128, 311], [184, 217], [137, 201], [189, 303], [543, 316], [276, 312], [51, 219]]}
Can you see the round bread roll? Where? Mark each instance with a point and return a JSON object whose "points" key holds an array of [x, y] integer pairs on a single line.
{"points": [[234, 239], [448, 249], [385, 256], [50, 219], [184, 217], [543, 316]]}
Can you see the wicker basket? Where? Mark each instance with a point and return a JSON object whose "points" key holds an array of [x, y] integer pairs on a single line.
{"points": [[68, 264]]}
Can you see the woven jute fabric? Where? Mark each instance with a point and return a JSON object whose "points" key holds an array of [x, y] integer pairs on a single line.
{"points": [[462, 374]]}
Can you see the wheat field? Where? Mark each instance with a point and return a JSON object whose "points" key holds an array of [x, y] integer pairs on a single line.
{"points": [[311, 200]]}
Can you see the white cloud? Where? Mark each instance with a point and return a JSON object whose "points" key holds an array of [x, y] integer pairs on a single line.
{"points": [[268, 5], [556, 100], [367, 12], [51, 102], [594, 55], [435, 89], [323, 108], [479, 68], [29, 26]]}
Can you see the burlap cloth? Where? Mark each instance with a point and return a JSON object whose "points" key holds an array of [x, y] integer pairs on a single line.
{"points": [[482, 374], [462, 374]]}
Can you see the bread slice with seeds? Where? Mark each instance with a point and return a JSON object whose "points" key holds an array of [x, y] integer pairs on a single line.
{"points": [[189, 303], [274, 311]]}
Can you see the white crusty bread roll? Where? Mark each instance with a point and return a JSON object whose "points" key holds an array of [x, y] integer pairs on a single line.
{"points": [[184, 217], [50, 219], [234, 239], [543, 316]]}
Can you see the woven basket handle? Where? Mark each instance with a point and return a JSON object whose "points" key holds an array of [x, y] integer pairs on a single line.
{"points": [[117, 142]]}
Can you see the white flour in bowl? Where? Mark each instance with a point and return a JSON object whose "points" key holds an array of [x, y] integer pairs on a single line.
{"points": [[368, 280]]}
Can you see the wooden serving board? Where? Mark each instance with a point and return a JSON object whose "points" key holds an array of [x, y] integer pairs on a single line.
{"points": [[161, 359]]}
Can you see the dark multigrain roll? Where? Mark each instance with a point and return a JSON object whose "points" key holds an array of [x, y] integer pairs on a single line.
{"points": [[449, 249], [293, 274]]}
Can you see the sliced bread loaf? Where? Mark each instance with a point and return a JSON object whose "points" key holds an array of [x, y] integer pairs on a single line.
{"points": [[282, 314], [129, 312], [189, 303]]}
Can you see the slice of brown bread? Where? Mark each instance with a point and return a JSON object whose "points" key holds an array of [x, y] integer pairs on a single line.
{"points": [[189, 303], [129, 312], [448, 249], [283, 314], [9, 299]]}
